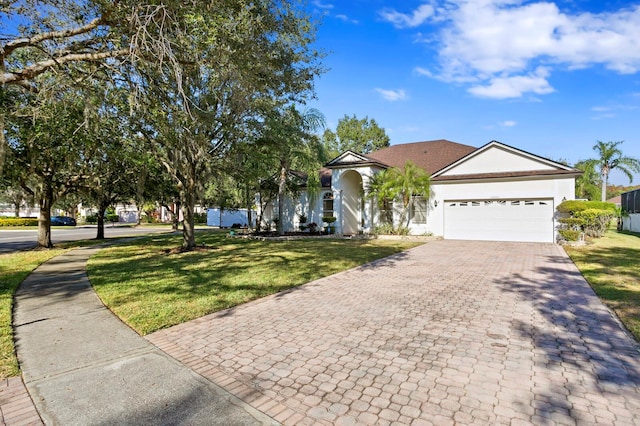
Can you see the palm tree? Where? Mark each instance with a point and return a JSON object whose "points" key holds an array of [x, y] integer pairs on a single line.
{"points": [[291, 139], [610, 157], [587, 184], [403, 183]]}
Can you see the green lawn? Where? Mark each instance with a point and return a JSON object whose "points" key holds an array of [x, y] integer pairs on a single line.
{"points": [[151, 287], [611, 265], [14, 268]]}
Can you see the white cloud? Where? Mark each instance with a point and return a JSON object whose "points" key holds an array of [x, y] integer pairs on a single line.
{"points": [[392, 95], [319, 4], [514, 86], [501, 43], [508, 123], [404, 20], [423, 71], [345, 18]]}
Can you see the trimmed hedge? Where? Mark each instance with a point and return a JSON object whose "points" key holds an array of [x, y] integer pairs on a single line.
{"points": [[570, 234], [573, 206], [19, 221], [591, 217], [108, 218]]}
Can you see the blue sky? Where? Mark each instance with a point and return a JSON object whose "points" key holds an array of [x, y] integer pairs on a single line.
{"points": [[547, 77]]}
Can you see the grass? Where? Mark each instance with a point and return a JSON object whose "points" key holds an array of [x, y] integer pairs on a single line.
{"points": [[150, 287], [611, 265], [14, 268]]}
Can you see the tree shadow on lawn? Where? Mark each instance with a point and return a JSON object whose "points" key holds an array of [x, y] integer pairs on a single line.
{"points": [[578, 338], [219, 278]]}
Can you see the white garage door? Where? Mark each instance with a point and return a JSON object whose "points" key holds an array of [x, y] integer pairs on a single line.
{"points": [[499, 220]]}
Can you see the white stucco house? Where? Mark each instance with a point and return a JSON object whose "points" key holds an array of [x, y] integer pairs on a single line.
{"points": [[495, 192]]}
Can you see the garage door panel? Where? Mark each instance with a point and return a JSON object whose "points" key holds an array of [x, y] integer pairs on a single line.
{"points": [[501, 220]]}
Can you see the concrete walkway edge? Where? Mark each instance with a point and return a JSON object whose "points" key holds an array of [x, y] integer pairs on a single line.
{"points": [[83, 366]]}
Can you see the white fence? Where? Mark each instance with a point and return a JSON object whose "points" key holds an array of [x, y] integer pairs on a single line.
{"points": [[229, 218]]}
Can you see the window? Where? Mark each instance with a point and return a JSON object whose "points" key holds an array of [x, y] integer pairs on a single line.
{"points": [[419, 210], [386, 212], [327, 204]]}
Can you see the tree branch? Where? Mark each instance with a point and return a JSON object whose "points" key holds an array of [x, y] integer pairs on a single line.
{"points": [[32, 41], [38, 68]]}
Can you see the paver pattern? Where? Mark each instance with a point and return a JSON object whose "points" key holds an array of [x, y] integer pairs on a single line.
{"points": [[16, 406], [449, 332]]}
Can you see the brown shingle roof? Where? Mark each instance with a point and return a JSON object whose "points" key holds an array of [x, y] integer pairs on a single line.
{"points": [[430, 155]]}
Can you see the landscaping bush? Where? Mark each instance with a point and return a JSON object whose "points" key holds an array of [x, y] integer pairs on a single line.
{"points": [[18, 221], [573, 206], [595, 221], [112, 218], [570, 234], [92, 218], [200, 218], [591, 217], [388, 229]]}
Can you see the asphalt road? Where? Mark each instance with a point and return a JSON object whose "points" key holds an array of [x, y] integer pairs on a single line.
{"points": [[25, 239]]}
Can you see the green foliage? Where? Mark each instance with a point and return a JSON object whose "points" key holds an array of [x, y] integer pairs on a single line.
{"points": [[570, 234], [610, 157], [18, 221], [361, 136], [389, 229], [573, 206], [591, 217], [112, 217], [91, 218], [403, 183], [595, 221], [588, 184], [328, 219], [572, 222], [200, 218]]}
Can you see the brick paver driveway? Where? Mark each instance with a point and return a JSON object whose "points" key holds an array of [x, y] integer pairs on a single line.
{"points": [[449, 332]]}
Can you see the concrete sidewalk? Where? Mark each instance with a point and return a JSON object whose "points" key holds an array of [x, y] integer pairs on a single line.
{"points": [[83, 366]]}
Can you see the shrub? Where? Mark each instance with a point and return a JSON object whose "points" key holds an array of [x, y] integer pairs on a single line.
{"points": [[92, 218], [328, 219], [572, 222], [596, 221], [112, 218], [18, 221], [200, 218], [573, 206], [570, 234], [591, 217], [388, 229]]}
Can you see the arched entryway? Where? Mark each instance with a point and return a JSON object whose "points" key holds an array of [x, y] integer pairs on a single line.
{"points": [[352, 202]]}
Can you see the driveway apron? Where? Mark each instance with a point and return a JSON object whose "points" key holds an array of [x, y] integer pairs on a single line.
{"points": [[448, 332]]}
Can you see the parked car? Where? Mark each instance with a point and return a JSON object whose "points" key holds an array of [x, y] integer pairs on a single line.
{"points": [[62, 221]]}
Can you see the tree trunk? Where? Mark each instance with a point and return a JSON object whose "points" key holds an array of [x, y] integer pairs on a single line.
{"points": [[188, 226], [16, 210], [44, 219], [605, 178], [100, 216], [281, 190], [175, 215], [4, 146]]}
